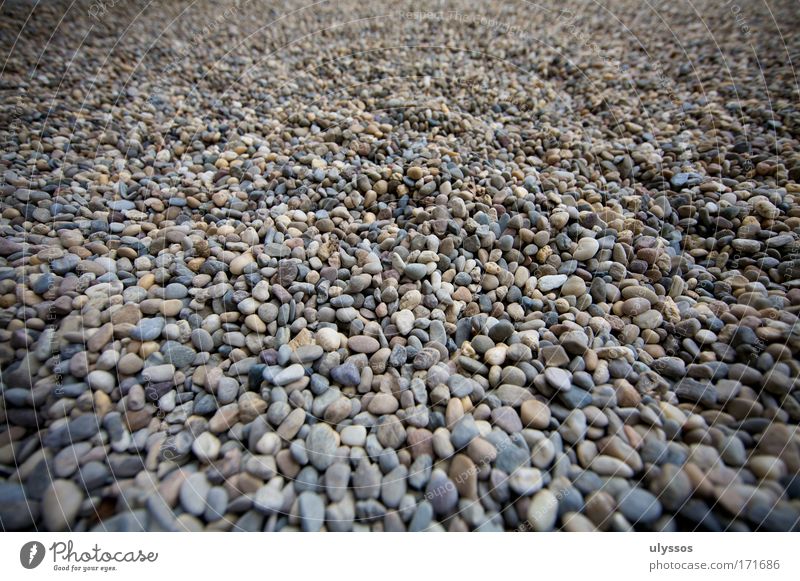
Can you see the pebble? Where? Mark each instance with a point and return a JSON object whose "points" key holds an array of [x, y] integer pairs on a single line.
{"points": [[639, 506], [558, 378], [354, 436], [289, 375], [60, 505], [202, 340], [268, 500], [346, 375], [312, 511], [404, 321], [363, 344], [586, 249], [535, 414], [441, 493], [148, 329], [206, 447], [193, 493], [382, 403], [328, 339], [321, 445], [551, 282], [543, 511], [526, 481]]}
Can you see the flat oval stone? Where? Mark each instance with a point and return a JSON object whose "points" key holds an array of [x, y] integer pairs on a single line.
{"points": [[363, 344]]}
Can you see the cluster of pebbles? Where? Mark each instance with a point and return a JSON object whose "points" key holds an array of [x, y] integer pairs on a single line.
{"points": [[352, 267]]}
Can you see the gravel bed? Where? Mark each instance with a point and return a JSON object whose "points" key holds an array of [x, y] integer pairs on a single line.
{"points": [[364, 266]]}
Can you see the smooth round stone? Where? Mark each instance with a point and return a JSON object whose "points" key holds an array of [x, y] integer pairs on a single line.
{"points": [[202, 341], [586, 249], [179, 355], [383, 403], [217, 503], [463, 432], [496, 355], [410, 300], [745, 245], [307, 353], [101, 380], [574, 286], [441, 493], [289, 375], [148, 329], [312, 511], [390, 432], [60, 505], [159, 373], [121, 205], [321, 445], [269, 444], [526, 481], [130, 364], [422, 518], [543, 454], [404, 321], [394, 486], [268, 500], [507, 419], [354, 435], [16, 511], [535, 414], [648, 320], [673, 487], [415, 271], [558, 378], [639, 506], [239, 263], [227, 390], [206, 447], [346, 374], [363, 344], [635, 306], [543, 511], [501, 331], [66, 462], [461, 386], [336, 481], [551, 282], [338, 411], [669, 366], [327, 338], [767, 467], [426, 358], [415, 172], [193, 493], [610, 466], [175, 291]]}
